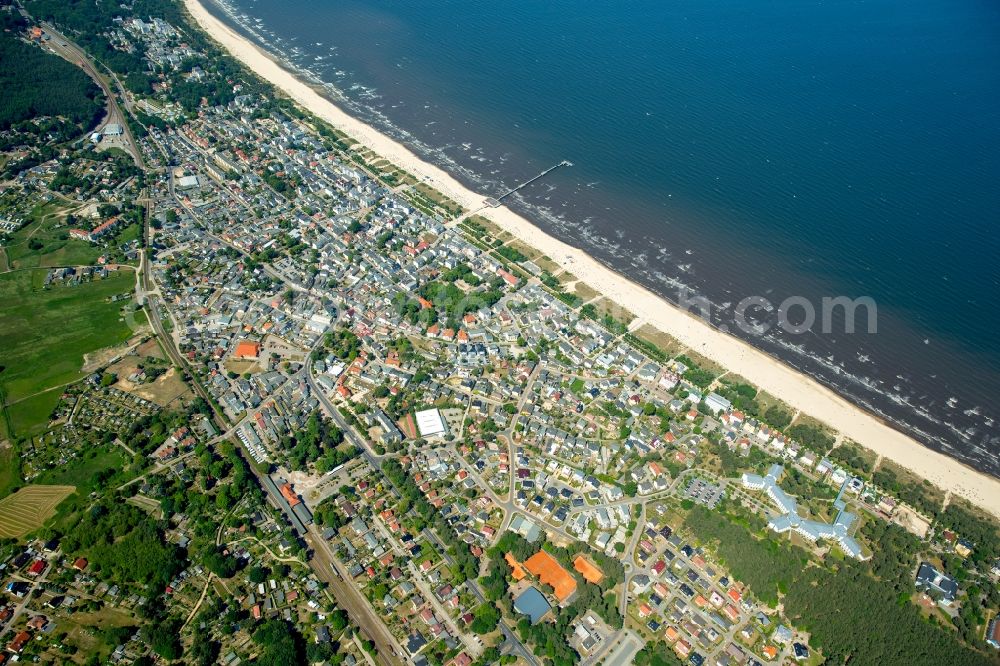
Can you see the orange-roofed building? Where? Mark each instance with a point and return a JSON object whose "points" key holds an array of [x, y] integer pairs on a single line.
{"points": [[20, 640], [734, 594], [103, 228], [289, 494], [508, 277], [247, 349], [770, 651], [588, 570], [672, 634], [425, 304]]}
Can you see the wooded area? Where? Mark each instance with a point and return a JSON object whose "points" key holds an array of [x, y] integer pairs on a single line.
{"points": [[125, 546], [42, 84], [856, 612]]}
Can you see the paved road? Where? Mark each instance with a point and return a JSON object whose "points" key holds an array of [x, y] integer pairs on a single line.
{"points": [[625, 649], [323, 562], [19, 609], [514, 645]]}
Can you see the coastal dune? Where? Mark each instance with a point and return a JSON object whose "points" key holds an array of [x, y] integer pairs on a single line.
{"points": [[767, 373]]}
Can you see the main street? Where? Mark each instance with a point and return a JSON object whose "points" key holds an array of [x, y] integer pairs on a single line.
{"points": [[323, 562]]}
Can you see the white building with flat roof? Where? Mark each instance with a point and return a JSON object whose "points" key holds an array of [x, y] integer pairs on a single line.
{"points": [[717, 403], [430, 423]]}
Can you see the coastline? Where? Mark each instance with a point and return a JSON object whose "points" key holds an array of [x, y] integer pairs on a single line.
{"points": [[765, 372]]}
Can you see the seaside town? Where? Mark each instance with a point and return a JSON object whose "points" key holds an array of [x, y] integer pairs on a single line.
{"points": [[327, 415]]}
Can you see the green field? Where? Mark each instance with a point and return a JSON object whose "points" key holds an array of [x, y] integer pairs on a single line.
{"points": [[128, 234], [29, 416], [46, 332], [57, 248], [80, 472], [10, 470]]}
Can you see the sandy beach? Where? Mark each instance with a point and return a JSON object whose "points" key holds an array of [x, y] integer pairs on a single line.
{"points": [[767, 373]]}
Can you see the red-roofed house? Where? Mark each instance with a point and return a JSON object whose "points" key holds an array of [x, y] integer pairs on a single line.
{"points": [[289, 494], [20, 640], [509, 278], [247, 349]]}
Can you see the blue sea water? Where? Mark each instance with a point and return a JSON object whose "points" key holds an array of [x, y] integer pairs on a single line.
{"points": [[738, 147]]}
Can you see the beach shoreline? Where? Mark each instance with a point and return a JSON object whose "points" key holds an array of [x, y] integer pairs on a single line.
{"points": [[736, 356]]}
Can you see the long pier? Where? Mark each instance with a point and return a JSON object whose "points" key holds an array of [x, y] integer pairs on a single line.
{"points": [[494, 202]]}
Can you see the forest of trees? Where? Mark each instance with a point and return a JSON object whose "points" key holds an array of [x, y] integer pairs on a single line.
{"points": [[854, 457], [743, 396], [457, 303], [855, 612], [810, 436], [86, 21], [695, 374], [42, 84], [657, 654], [343, 344], [125, 546], [319, 442], [981, 530], [279, 643]]}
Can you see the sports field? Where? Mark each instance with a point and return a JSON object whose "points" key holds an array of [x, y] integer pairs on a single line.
{"points": [[547, 569], [29, 508], [591, 572]]}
